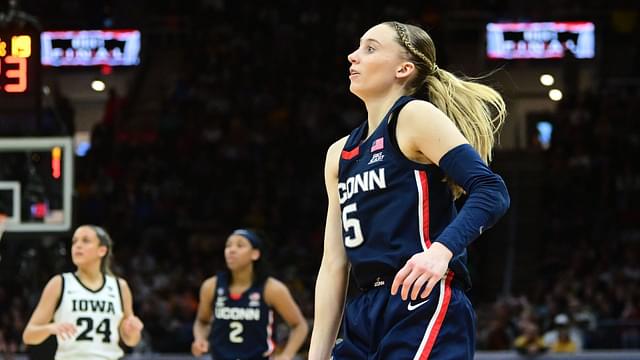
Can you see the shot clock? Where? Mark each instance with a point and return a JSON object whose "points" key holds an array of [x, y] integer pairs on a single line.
{"points": [[19, 62], [20, 81]]}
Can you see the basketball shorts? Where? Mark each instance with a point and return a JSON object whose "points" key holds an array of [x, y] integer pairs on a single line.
{"points": [[380, 326]]}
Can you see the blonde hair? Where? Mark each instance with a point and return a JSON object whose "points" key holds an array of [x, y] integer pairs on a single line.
{"points": [[477, 110]]}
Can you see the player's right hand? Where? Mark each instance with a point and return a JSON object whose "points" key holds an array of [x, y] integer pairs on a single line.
{"points": [[426, 267], [64, 331], [199, 347]]}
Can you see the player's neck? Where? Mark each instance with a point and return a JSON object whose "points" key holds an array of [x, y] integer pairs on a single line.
{"points": [[377, 107], [243, 277], [92, 277]]}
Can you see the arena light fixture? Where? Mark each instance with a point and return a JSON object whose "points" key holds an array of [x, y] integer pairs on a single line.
{"points": [[547, 79], [98, 85], [555, 94]]}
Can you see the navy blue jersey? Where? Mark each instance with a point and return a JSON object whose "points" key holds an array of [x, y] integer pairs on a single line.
{"points": [[392, 207], [242, 326]]}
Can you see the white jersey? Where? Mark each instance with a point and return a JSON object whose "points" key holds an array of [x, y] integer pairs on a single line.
{"points": [[96, 315]]}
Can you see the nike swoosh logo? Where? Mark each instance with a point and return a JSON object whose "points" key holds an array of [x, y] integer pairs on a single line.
{"points": [[412, 307]]}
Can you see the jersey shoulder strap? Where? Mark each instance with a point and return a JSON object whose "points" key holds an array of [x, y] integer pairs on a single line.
{"points": [[222, 284], [62, 277]]}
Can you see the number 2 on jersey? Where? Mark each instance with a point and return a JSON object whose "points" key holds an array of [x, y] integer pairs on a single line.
{"points": [[235, 332], [351, 223]]}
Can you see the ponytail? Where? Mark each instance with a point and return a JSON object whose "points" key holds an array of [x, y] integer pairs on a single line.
{"points": [[477, 110]]}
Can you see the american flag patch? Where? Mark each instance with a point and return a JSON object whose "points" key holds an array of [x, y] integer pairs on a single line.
{"points": [[378, 144]]}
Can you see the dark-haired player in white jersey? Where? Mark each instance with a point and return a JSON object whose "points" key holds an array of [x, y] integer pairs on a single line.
{"points": [[235, 314], [89, 310]]}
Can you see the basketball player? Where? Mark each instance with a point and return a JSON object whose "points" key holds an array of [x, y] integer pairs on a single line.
{"points": [[235, 317], [88, 310], [391, 217]]}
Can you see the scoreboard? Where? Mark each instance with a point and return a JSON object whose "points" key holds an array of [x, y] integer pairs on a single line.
{"points": [[541, 40], [90, 47]]}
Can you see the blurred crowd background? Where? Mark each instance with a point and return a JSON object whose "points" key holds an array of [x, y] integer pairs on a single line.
{"points": [[226, 123]]}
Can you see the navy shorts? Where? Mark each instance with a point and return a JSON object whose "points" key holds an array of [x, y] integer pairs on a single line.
{"points": [[380, 326]]}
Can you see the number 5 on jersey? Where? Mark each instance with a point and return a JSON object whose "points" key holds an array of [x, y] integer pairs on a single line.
{"points": [[351, 223]]}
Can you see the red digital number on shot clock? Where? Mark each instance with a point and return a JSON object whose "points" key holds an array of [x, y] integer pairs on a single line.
{"points": [[14, 53]]}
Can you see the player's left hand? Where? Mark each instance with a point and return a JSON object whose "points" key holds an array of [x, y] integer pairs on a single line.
{"points": [[427, 267], [132, 325]]}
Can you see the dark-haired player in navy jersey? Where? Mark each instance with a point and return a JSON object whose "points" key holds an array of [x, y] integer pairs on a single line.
{"points": [[391, 217], [235, 313]]}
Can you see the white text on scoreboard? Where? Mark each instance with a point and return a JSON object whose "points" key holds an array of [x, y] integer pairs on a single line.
{"points": [[90, 48], [540, 40]]}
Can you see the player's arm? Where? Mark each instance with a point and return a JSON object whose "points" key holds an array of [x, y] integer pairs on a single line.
{"points": [[426, 134], [130, 326], [40, 327], [332, 279], [277, 295], [204, 318]]}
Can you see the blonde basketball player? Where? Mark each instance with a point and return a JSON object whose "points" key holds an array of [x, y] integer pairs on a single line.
{"points": [[88, 310], [392, 220]]}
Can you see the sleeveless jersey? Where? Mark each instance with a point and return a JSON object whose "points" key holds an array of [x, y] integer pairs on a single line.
{"points": [[242, 327], [392, 207], [96, 315]]}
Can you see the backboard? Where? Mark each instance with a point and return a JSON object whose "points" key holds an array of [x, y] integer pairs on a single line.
{"points": [[36, 183]]}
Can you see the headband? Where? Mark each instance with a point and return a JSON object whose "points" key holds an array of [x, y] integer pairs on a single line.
{"points": [[253, 238]]}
